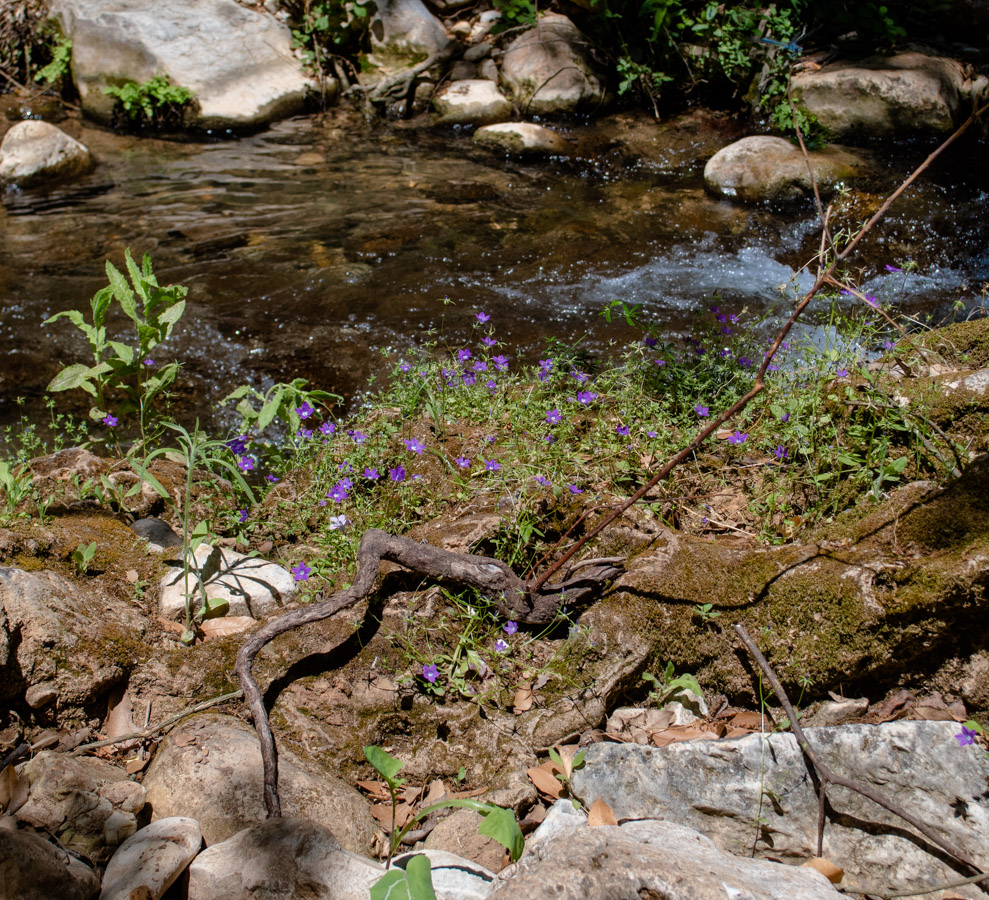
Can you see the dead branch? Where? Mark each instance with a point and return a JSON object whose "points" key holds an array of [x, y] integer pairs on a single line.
{"points": [[828, 776]]}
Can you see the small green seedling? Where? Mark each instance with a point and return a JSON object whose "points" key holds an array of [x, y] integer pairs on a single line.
{"points": [[415, 881], [706, 612], [82, 556], [670, 686]]}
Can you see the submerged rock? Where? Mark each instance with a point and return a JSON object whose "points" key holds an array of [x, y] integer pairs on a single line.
{"points": [[210, 770], [548, 70], [282, 858], [649, 859], [521, 138], [889, 96], [35, 152], [237, 61], [754, 794], [764, 168], [474, 101], [31, 868]]}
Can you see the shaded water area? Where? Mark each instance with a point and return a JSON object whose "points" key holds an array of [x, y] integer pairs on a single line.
{"points": [[314, 246]]}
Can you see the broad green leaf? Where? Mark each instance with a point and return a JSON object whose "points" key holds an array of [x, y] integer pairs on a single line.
{"points": [[77, 375], [386, 765], [393, 885], [73, 315], [420, 878], [136, 277], [242, 391], [499, 824], [100, 303], [171, 315], [123, 351], [123, 293], [268, 411]]}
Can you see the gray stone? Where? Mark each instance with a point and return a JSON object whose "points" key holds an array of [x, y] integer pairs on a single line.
{"points": [[488, 70], [977, 383], [90, 805], [479, 51], [521, 138], [724, 789], [281, 858], [44, 619], [462, 70], [31, 868], [562, 819], [152, 858], [471, 102], [241, 586], [888, 96], [650, 859], [837, 712], [38, 696], [157, 533], [209, 768], [245, 82], [36, 152], [403, 33], [548, 69], [764, 168]]}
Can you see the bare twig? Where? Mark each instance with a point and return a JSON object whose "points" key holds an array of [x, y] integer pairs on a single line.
{"points": [[829, 776], [161, 726]]}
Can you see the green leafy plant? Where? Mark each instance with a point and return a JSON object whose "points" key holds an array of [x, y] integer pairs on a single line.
{"points": [[514, 14], [122, 369], [157, 102], [328, 28], [290, 402], [706, 612], [671, 685], [82, 556], [55, 71], [415, 881], [16, 482]]}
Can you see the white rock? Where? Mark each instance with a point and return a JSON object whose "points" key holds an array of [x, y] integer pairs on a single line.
{"points": [[454, 878], [237, 61], [650, 859], [520, 138], [471, 102], [33, 152], [765, 168], [243, 586], [977, 383], [562, 819], [885, 96], [281, 858], [548, 70], [721, 788], [153, 858]]}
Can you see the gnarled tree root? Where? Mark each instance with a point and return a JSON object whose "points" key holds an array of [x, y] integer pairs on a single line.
{"points": [[492, 577]]}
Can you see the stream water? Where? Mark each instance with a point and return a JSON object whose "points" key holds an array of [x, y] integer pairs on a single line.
{"points": [[314, 246]]}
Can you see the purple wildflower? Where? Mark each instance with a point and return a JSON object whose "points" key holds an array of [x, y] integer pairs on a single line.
{"points": [[511, 628], [370, 473], [500, 362], [491, 385], [652, 434], [246, 464], [301, 572], [304, 411], [463, 462], [744, 362], [541, 479], [781, 452], [469, 379], [337, 522], [415, 446], [271, 479], [890, 268], [480, 366], [359, 437], [463, 355], [488, 341], [238, 445], [554, 417], [327, 428], [430, 673], [660, 362], [492, 465], [622, 431], [397, 474], [305, 433], [785, 417], [148, 361], [586, 397], [966, 736], [872, 301], [842, 373], [482, 317], [888, 345], [243, 515], [110, 420], [702, 411], [650, 341], [550, 439], [575, 490], [580, 377], [338, 493], [738, 437], [500, 646], [405, 367]]}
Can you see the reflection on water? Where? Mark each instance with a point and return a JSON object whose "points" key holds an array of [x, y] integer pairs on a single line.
{"points": [[310, 247]]}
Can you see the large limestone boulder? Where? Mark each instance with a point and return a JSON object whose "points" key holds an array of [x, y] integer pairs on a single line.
{"points": [[237, 61], [403, 33], [521, 139], [31, 868], [724, 788], [548, 69], [888, 96], [36, 152], [152, 859], [771, 169], [209, 769], [279, 858], [474, 101], [44, 620], [88, 804], [650, 859]]}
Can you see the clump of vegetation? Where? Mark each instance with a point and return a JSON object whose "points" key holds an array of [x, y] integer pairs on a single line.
{"points": [[24, 43], [157, 103]]}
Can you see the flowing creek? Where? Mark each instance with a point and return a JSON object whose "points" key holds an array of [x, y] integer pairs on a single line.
{"points": [[322, 247]]}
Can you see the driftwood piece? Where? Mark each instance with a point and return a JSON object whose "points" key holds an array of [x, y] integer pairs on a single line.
{"points": [[492, 577]]}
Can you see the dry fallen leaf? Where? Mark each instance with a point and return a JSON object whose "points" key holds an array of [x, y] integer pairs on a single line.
{"points": [[601, 814], [436, 792], [170, 626], [132, 576], [679, 733], [523, 698], [14, 790], [750, 719], [376, 789], [827, 868], [226, 626], [120, 719], [183, 738], [135, 765], [382, 812], [544, 779]]}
